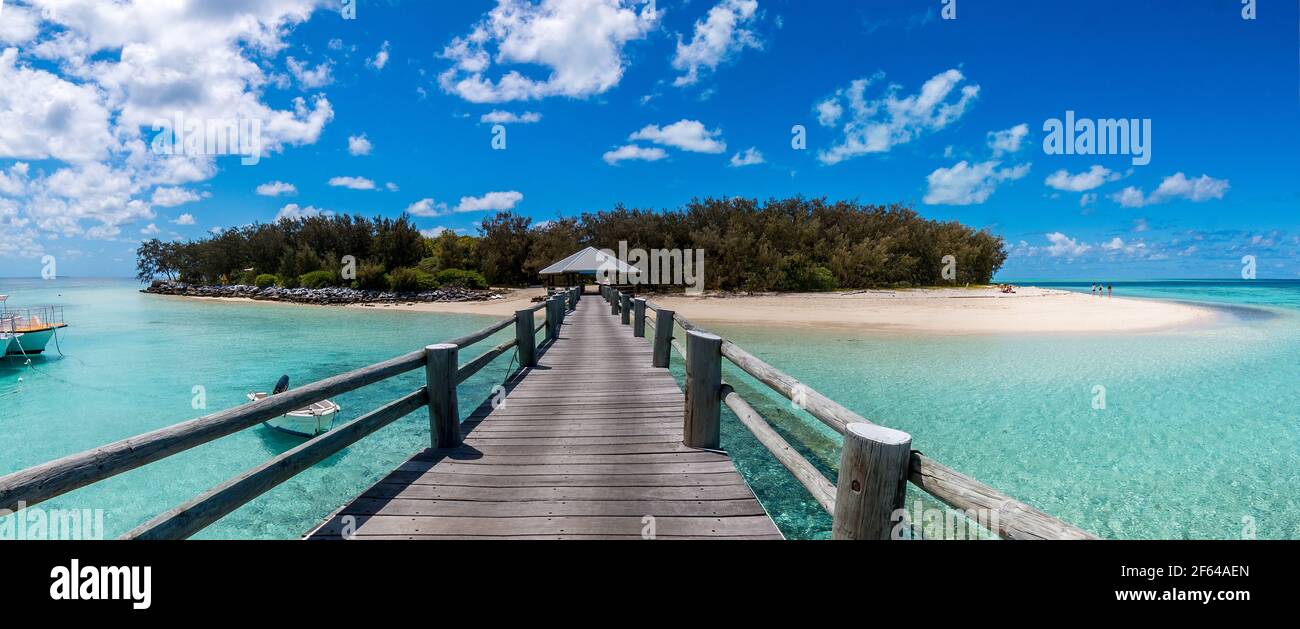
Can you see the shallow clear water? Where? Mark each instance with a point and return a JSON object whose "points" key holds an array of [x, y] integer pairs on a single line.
{"points": [[131, 364], [1201, 427]]}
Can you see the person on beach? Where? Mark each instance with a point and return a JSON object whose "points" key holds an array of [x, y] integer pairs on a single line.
{"points": [[1109, 290], [1094, 289]]}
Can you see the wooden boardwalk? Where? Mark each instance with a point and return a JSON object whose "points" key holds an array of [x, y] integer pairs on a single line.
{"points": [[587, 445]]}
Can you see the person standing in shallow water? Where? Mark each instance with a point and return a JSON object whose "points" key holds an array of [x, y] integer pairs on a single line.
{"points": [[1094, 289], [1110, 290]]}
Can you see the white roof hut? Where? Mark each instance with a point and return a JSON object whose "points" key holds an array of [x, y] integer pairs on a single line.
{"points": [[589, 263]]}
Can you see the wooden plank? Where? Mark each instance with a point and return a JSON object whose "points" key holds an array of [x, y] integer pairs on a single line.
{"points": [[440, 478], [552, 508], [559, 525]]}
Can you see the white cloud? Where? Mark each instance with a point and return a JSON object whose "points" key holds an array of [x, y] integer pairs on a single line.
{"points": [[1176, 186], [276, 188], [1063, 246], [1008, 141], [15, 181], [634, 152], [150, 230], [579, 43], [434, 232], [426, 207], [172, 197], [494, 201], [19, 24], [829, 112], [359, 145], [88, 90], [1087, 180], [747, 157], [688, 135], [184, 219], [876, 126], [308, 77], [45, 117], [392, 187], [1087, 199], [508, 117], [969, 184], [380, 59], [355, 183], [723, 34], [292, 211]]}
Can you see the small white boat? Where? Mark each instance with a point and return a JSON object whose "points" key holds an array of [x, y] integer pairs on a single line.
{"points": [[304, 422], [27, 331]]}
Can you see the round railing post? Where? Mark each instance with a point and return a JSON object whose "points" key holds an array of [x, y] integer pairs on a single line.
{"points": [[638, 317], [663, 338], [440, 382], [872, 481], [524, 340], [613, 301], [625, 307], [703, 384]]}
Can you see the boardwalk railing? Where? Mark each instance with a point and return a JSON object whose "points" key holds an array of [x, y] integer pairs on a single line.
{"points": [[875, 462], [443, 373]]}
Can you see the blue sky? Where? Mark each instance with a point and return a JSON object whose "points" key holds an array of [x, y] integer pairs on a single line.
{"points": [[612, 102]]}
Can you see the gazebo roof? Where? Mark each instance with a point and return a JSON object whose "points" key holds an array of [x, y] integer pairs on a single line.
{"points": [[589, 261]]}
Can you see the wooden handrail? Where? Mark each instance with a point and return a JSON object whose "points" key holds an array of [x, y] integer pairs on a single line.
{"points": [[54, 478], [822, 490], [1015, 519], [48, 480], [472, 367], [217, 502]]}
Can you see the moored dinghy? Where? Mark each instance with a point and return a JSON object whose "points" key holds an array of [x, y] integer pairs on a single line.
{"points": [[304, 422]]}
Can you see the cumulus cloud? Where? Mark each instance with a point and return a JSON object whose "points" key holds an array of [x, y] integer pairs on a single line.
{"points": [[172, 197], [426, 207], [492, 201], [969, 184], [293, 211], [184, 219], [1008, 141], [876, 125], [508, 117], [721, 35], [578, 43], [355, 183], [634, 152], [309, 77], [1062, 246], [1176, 186], [687, 135], [747, 157], [359, 145], [1092, 178], [91, 91], [276, 188]]}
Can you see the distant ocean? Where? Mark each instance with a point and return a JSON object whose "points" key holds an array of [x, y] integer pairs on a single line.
{"points": [[1200, 437]]}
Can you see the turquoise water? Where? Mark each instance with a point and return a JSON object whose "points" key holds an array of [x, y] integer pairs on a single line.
{"points": [[131, 364], [1200, 430]]}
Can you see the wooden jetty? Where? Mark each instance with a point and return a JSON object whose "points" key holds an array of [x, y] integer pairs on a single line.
{"points": [[591, 438]]}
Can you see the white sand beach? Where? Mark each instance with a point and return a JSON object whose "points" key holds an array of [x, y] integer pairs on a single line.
{"points": [[982, 310]]}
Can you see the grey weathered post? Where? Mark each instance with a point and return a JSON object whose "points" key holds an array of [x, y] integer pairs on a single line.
{"points": [[663, 337], [873, 481], [638, 317], [552, 318], [613, 301], [440, 379], [703, 383], [524, 337], [625, 307]]}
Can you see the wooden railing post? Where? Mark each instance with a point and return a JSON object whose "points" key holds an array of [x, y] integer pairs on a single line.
{"points": [[638, 317], [552, 319], [613, 301], [703, 386], [872, 483], [625, 307], [663, 337], [440, 382], [524, 337]]}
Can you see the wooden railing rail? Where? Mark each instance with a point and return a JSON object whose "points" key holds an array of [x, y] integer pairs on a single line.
{"points": [[48, 480], [879, 459]]}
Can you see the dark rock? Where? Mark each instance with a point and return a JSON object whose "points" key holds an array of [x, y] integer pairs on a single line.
{"points": [[320, 296]]}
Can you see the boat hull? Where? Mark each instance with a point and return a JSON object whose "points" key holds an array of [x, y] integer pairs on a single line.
{"points": [[308, 426], [28, 343]]}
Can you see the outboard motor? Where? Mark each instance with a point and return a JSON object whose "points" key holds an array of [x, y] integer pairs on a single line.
{"points": [[281, 385]]}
